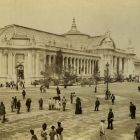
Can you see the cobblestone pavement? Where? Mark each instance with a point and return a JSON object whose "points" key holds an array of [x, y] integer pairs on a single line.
{"points": [[76, 127]]}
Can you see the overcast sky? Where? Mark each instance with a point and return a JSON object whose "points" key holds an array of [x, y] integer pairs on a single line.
{"points": [[93, 17]]}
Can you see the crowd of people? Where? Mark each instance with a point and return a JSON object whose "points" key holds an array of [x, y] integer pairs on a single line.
{"points": [[59, 103], [54, 132], [14, 85]]}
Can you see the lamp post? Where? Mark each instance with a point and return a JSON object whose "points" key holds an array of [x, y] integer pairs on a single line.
{"points": [[96, 82], [107, 80], [17, 78]]}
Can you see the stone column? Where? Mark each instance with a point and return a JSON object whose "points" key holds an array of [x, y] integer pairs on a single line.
{"points": [[33, 64], [13, 62], [67, 63], [37, 64], [120, 65], [63, 64], [91, 67], [64, 59], [5, 64], [81, 68], [77, 66], [128, 65], [94, 63], [74, 65], [85, 66], [30, 64], [26, 66], [111, 65], [10, 65], [43, 60], [101, 66], [115, 65]]}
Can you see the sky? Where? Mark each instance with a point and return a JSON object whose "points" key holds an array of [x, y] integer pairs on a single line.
{"points": [[93, 17]]}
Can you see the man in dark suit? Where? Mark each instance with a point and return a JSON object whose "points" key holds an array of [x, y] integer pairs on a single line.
{"points": [[110, 119]]}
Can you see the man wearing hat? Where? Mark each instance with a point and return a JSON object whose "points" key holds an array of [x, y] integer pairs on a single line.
{"points": [[137, 131], [110, 119], [59, 131], [102, 130]]}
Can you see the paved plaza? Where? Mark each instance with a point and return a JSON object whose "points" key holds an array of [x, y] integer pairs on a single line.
{"points": [[76, 127]]}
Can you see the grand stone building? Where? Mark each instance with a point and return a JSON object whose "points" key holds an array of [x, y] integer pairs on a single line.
{"points": [[24, 52]]}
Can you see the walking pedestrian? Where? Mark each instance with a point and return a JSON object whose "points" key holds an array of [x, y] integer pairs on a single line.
{"points": [[58, 91], [110, 119], [23, 94], [40, 104], [28, 104], [97, 104], [12, 104], [95, 89], [113, 99], [15, 102], [132, 110], [64, 101], [18, 106]]}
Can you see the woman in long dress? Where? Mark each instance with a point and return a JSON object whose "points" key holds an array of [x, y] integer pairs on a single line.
{"points": [[78, 107]]}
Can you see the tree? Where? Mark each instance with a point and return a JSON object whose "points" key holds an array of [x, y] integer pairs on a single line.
{"points": [[69, 78], [59, 63], [47, 74]]}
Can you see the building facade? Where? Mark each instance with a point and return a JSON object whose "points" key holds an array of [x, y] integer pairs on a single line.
{"points": [[24, 52]]}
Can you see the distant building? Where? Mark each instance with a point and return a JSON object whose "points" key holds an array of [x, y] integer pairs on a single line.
{"points": [[25, 51]]}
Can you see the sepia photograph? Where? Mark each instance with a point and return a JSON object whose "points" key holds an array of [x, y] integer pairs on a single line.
{"points": [[70, 70]]}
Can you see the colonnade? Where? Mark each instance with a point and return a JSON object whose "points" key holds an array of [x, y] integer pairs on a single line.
{"points": [[7, 64], [77, 65], [119, 65], [34, 62]]}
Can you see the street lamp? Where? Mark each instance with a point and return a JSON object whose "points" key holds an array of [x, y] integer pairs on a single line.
{"points": [[17, 77], [96, 80], [107, 80]]}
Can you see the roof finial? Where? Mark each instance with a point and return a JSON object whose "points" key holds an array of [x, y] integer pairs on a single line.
{"points": [[73, 27], [107, 33]]}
